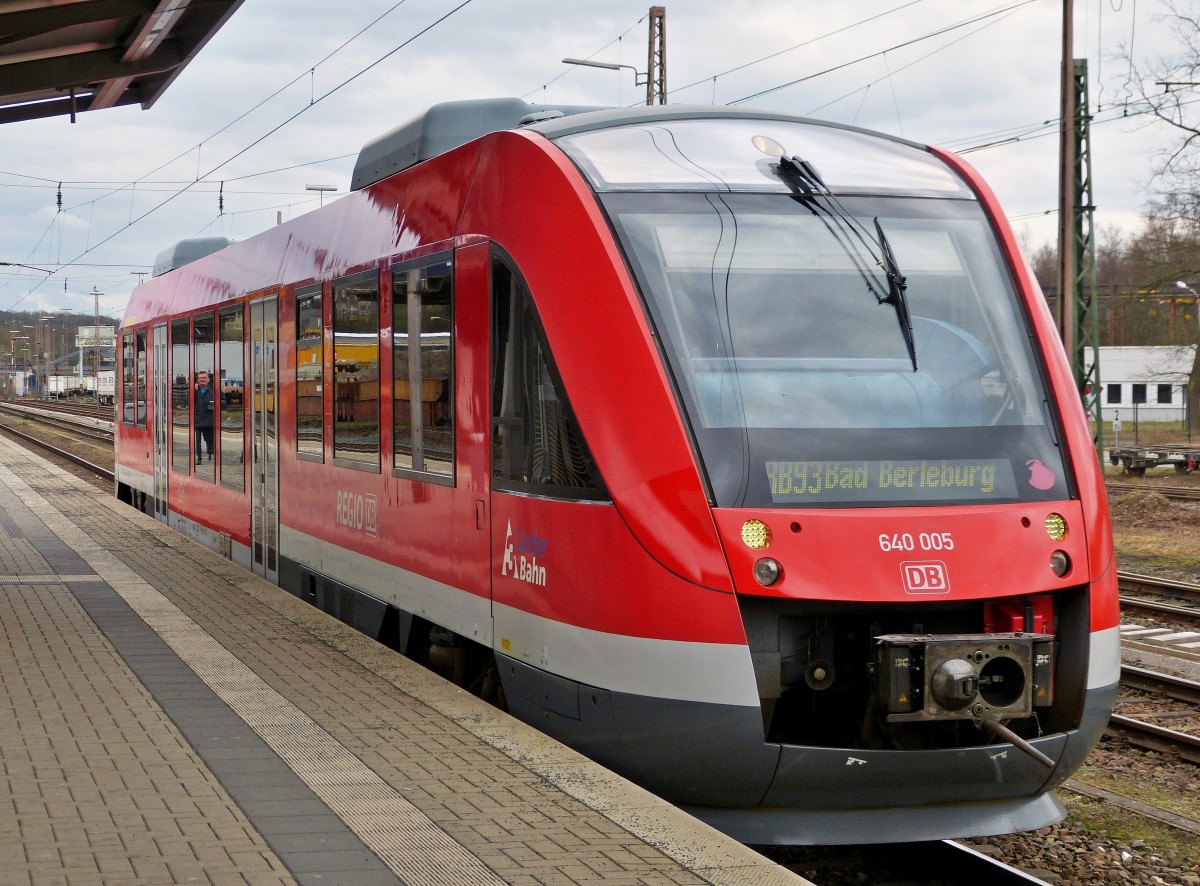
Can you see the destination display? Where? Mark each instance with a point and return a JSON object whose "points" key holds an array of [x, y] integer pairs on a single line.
{"points": [[798, 482]]}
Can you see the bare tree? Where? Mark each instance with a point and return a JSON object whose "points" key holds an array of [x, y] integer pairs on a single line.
{"points": [[1168, 92], [1168, 251]]}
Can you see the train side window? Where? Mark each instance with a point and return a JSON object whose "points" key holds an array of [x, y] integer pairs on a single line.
{"points": [[128, 383], [181, 396], [206, 397], [537, 446], [423, 369], [143, 393], [356, 370], [310, 368], [232, 435]]}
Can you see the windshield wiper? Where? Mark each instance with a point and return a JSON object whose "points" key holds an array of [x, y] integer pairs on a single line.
{"points": [[897, 286], [804, 177]]}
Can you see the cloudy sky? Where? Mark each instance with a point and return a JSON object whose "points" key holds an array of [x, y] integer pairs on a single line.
{"points": [[286, 93]]}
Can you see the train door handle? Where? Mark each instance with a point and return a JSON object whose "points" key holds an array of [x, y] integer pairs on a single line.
{"points": [[479, 515]]}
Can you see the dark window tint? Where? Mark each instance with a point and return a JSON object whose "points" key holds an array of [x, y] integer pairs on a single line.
{"points": [[1139, 393], [537, 445], [1114, 393], [1164, 393]]}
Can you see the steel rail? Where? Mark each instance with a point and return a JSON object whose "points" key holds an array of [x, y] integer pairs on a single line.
{"points": [[1153, 681], [60, 421], [1129, 581], [1157, 738], [1165, 586], [102, 472], [1173, 492]]}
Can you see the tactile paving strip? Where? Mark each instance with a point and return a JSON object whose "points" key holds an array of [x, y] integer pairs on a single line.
{"points": [[411, 845]]}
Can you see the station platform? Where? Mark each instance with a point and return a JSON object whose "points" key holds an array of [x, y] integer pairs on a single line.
{"points": [[166, 717]]}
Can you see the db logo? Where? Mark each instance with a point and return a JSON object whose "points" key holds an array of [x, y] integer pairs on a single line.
{"points": [[927, 577]]}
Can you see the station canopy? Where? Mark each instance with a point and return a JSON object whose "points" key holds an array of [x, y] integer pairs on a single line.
{"points": [[64, 57]]}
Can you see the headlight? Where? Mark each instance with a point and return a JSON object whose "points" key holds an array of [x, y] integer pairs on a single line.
{"points": [[767, 571]]}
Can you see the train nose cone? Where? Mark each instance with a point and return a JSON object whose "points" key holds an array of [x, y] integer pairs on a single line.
{"points": [[954, 684]]}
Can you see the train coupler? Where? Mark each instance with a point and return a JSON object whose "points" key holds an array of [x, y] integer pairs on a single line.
{"points": [[925, 677]]}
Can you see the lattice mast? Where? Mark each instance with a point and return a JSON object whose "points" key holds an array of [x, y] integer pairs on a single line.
{"points": [[656, 65], [1085, 361]]}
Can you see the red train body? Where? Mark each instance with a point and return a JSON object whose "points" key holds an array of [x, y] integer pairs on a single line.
{"points": [[766, 487]]}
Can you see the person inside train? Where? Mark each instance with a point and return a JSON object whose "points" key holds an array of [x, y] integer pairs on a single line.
{"points": [[203, 403]]}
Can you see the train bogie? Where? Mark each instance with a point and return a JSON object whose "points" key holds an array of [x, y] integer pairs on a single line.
{"points": [[734, 449]]}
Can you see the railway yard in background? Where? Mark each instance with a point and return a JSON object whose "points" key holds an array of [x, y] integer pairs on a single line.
{"points": [[1134, 816]]}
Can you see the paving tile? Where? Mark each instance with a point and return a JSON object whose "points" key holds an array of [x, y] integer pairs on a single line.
{"points": [[310, 755]]}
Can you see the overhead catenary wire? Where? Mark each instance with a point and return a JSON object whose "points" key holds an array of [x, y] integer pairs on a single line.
{"points": [[935, 33], [307, 71], [566, 71], [918, 60], [91, 247], [275, 94], [809, 42]]}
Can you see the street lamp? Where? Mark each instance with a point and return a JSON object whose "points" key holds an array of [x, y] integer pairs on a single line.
{"points": [[321, 189], [639, 78]]}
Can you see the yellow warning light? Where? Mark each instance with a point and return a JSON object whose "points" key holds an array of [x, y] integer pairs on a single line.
{"points": [[1056, 527], [756, 534]]}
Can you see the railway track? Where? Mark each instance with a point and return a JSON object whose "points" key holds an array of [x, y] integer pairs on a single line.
{"points": [[1153, 595], [1151, 735], [1179, 493], [88, 433], [83, 424]]}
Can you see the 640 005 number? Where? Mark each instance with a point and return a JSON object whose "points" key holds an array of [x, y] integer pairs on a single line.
{"points": [[924, 541]]}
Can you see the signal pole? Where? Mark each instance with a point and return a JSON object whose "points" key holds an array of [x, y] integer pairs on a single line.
{"points": [[656, 65], [1066, 188]]}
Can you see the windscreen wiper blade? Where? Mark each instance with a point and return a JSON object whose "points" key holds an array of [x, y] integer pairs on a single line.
{"points": [[897, 285], [804, 177]]}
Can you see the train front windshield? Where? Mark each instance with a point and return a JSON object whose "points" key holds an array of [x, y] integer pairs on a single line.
{"points": [[795, 358]]}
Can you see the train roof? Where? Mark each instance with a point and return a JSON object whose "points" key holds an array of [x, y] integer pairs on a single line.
{"points": [[186, 251], [605, 118], [447, 125], [444, 127]]}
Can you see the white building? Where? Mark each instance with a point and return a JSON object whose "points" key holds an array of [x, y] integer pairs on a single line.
{"points": [[1147, 382]]}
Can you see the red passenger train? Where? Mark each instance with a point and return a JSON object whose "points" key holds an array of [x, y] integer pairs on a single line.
{"points": [[734, 449]]}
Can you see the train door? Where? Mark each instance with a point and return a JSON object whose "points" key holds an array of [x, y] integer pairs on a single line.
{"points": [[264, 437], [161, 396]]}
